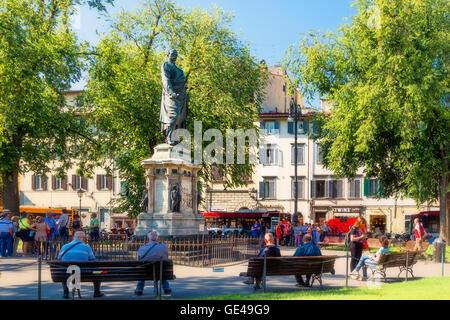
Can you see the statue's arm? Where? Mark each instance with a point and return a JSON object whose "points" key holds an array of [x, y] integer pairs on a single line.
{"points": [[165, 77]]}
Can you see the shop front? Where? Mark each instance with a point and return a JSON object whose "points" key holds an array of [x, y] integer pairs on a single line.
{"points": [[378, 221]]}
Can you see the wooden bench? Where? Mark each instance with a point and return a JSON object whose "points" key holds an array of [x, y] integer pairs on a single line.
{"points": [[403, 260], [332, 241], [114, 271], [291, 266]]}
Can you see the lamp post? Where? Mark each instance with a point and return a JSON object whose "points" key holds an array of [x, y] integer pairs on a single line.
{"points": [[295, 112], [80, 195]]}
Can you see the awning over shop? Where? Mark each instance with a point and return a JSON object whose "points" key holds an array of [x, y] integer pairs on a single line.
{"points": [[428, 213], [240, 214]]}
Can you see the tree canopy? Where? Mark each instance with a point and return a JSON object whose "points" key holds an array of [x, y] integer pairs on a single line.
{"points": [[385, 74], [40, 57]]}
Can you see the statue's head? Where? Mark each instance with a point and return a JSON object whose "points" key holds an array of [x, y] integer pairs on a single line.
{"points": [[172, 55]]}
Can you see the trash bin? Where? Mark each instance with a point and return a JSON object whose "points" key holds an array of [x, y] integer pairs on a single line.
{"points": [[439, 250]]}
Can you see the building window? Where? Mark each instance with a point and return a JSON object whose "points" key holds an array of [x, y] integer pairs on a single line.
{"points": [[301, 185], [318, 189], [355, 189], [269, 155], [335, 189], [270, 127], [302, 127], [371, 187], [37, 182], [79, 182], [104, 182], [300, 154], [267, 188], [319, 155]]}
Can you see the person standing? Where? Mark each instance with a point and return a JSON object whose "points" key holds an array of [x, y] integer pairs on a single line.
{"points": [[419, 233], [16, 239], [153, 251], [77, 224], [270, 250], [41, 229], [78, 251], [24, 225], [6, 234], [308, 249], [325, 231], [287, 233], [50, 221], [94, 230], [279, 232], [63, 226], [357, 238], [262, 223], [255, 229], [297, 235]]}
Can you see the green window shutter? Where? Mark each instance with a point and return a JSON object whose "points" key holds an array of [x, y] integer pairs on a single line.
{"points": [[262, 125], [381, 189], [305, 126], [277, 125], [366, 187]]}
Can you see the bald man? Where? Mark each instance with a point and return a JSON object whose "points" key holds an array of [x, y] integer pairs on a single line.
{"points": [[78, 251]]}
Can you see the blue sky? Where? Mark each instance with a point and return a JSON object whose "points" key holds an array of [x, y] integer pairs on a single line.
{"points": [[270, 26]]}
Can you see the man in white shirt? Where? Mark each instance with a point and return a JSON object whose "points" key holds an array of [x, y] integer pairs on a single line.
{"points": [[153, 251]]}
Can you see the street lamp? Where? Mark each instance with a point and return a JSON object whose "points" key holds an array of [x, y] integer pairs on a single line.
{"points": [[80, 193], [295, 112]]}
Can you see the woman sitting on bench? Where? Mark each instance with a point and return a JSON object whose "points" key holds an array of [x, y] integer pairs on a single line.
{"points": [[368, 261]]}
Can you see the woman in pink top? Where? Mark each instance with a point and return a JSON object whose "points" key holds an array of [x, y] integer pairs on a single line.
{"points": [[41, 228]]}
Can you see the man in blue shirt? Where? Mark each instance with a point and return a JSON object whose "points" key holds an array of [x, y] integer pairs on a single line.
{"points": [[78, 251], [308, 249], [50, 221], [6, 234]]}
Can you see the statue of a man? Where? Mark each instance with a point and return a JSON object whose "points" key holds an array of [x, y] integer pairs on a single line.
{"points": [[175, 198], [174, 102]]}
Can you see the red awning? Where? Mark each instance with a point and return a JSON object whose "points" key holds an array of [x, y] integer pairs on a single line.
{"points": [[240, 214], [428, 213]]}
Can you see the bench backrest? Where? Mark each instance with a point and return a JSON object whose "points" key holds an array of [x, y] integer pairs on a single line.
{"points": [[108, 271], [334, 239], [285, 266], [398, 259]]}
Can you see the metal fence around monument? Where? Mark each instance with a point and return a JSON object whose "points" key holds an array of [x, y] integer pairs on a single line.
{"points": [[201, 251]]}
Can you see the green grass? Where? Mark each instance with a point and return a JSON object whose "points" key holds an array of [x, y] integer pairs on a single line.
{"points": [[423, 289]]}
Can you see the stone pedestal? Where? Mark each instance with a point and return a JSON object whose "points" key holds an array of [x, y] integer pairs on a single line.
{"points": [[169, 167]]}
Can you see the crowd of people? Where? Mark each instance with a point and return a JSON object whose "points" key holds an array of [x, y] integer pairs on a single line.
{"points": [[36, 231]]}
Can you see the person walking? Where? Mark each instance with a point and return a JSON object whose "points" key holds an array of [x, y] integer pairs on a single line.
{"points": [[153, 251], [357, 238], [78, 251], [419, 234], [308, 249], [270, 250], [94, 230], [6, 234]]}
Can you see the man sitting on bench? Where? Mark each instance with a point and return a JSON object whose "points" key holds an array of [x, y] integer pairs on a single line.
{"points": [[308, 249], [270, 250], [78, 251], [153, 251]]}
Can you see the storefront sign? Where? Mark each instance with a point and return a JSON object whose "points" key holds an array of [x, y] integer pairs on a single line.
{"points": [[346, 210]]}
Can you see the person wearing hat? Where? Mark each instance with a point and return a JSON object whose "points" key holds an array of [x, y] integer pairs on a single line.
{"points": [[6, 234]]}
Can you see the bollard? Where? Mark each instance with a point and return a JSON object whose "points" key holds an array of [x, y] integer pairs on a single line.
{"points": [[264, 272], [39, 276], [442, 259], [346, 268], [160, 277]]}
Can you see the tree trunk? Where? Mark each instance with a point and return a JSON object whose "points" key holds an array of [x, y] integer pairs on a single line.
{"points": [[443, 226], [10, 192]]}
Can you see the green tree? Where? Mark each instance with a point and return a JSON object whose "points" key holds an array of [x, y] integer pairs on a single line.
{"points": [[124, 87], [386, 75], [39, 58]]}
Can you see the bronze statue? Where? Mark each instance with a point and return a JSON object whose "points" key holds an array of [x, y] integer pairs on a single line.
{"points": [[174, 101], [175, 198]]}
